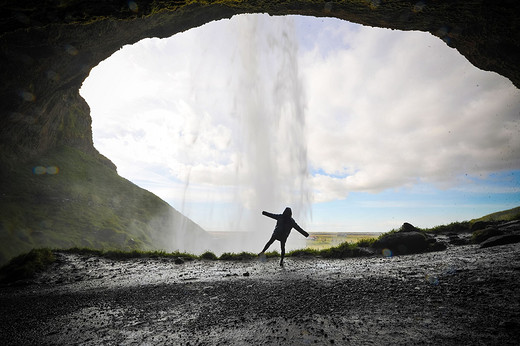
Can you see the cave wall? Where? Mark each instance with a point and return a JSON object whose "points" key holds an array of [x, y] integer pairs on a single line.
{"points": [[46, 53]]}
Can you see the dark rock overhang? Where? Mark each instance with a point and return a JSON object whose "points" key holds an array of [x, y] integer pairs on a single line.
{"points": [[47, 51]]}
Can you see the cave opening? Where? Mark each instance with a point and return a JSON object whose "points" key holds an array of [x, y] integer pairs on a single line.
{"points": [[394, 126]]}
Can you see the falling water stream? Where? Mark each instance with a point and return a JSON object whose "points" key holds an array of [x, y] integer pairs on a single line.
{"points": [[269, 105]]}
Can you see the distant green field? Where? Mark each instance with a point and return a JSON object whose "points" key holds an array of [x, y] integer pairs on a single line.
{"points": [[325, 240]]}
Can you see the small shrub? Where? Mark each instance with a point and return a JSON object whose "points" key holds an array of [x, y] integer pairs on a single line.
{"points": [[271, 254], [392, 231], [365, 242], [454, 227], [303, 253], [125, 255], [343, 250], [184, 255], [208, 255]]}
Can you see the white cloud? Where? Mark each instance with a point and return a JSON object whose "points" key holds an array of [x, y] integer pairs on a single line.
{"points": [[397, 108]]}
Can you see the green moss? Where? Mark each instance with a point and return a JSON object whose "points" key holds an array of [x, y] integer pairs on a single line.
{"points": [[505, 215], [84, 251], [26, 266], [454, 227], [479, 236], [343, 250], [229, 256], [303, 253], [77, 200], [365, 242], [125, 255]]}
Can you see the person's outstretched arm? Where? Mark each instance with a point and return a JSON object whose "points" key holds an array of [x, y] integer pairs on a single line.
{"points": [[271, 215], [299, 229]]}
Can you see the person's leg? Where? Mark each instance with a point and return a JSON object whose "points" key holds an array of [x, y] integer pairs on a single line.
{"points": [[268, 244], [282, 246]]}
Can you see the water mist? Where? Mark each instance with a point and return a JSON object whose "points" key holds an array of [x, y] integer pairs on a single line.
{"points": [[269, 106]]}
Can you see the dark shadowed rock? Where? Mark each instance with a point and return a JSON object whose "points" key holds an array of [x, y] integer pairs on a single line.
{"points": [[437, 246], [479, 236], [408, 240], [501, 240], [403, 242], [407, 227], [510, 226], [479, 225], [454, 239]]}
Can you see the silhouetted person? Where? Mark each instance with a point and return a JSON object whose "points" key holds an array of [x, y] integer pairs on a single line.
{"points": [[284, 224]]}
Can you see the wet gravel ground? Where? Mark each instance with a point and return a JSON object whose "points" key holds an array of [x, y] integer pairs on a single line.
{"points": [[464, 295]]}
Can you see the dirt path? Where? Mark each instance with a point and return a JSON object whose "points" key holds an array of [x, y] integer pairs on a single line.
{"points": [[461, 295]]}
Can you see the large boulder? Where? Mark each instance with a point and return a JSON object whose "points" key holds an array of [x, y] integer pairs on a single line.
{"points": [[501, 240], [406, 241], [481, 235]]}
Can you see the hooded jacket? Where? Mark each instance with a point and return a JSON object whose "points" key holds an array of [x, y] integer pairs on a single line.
{"points": [[284, 224]]}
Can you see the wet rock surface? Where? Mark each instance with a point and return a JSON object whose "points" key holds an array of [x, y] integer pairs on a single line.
{"points": [[464, 294]]}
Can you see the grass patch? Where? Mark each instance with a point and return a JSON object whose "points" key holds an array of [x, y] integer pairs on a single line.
{"points": [[479, 236], [365, 242], [26, 266], [345, 250], [308, 252], [454, 227], [505, 215], [231, 256], [84, 251], [121, 255], [81, 203]]}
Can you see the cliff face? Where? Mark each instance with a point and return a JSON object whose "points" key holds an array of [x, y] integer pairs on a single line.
{"points": [[47, 52]]}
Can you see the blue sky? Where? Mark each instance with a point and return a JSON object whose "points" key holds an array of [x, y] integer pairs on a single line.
{"points": [[357, 128]]}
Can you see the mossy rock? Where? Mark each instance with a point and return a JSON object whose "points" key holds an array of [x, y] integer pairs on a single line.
{"points": [[479, 236], [26, 266]]}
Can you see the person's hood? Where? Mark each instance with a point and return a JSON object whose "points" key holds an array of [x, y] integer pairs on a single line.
{"points": [[287, 212]]}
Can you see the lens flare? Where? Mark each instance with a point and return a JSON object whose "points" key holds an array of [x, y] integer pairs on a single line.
{"points": [[133, 6], [419, 6], [53, 76], [52, 170], [27, 96], [71, 49], [39, 170], [387, 252], [432, 279]]}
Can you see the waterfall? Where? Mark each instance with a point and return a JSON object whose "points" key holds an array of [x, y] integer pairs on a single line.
{"points": [[269, 106]]}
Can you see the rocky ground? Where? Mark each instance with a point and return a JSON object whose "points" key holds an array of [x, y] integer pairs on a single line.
{"points": [[463, 295]]}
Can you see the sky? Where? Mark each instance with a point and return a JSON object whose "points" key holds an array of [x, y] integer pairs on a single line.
{"points": [[358, 129]]}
